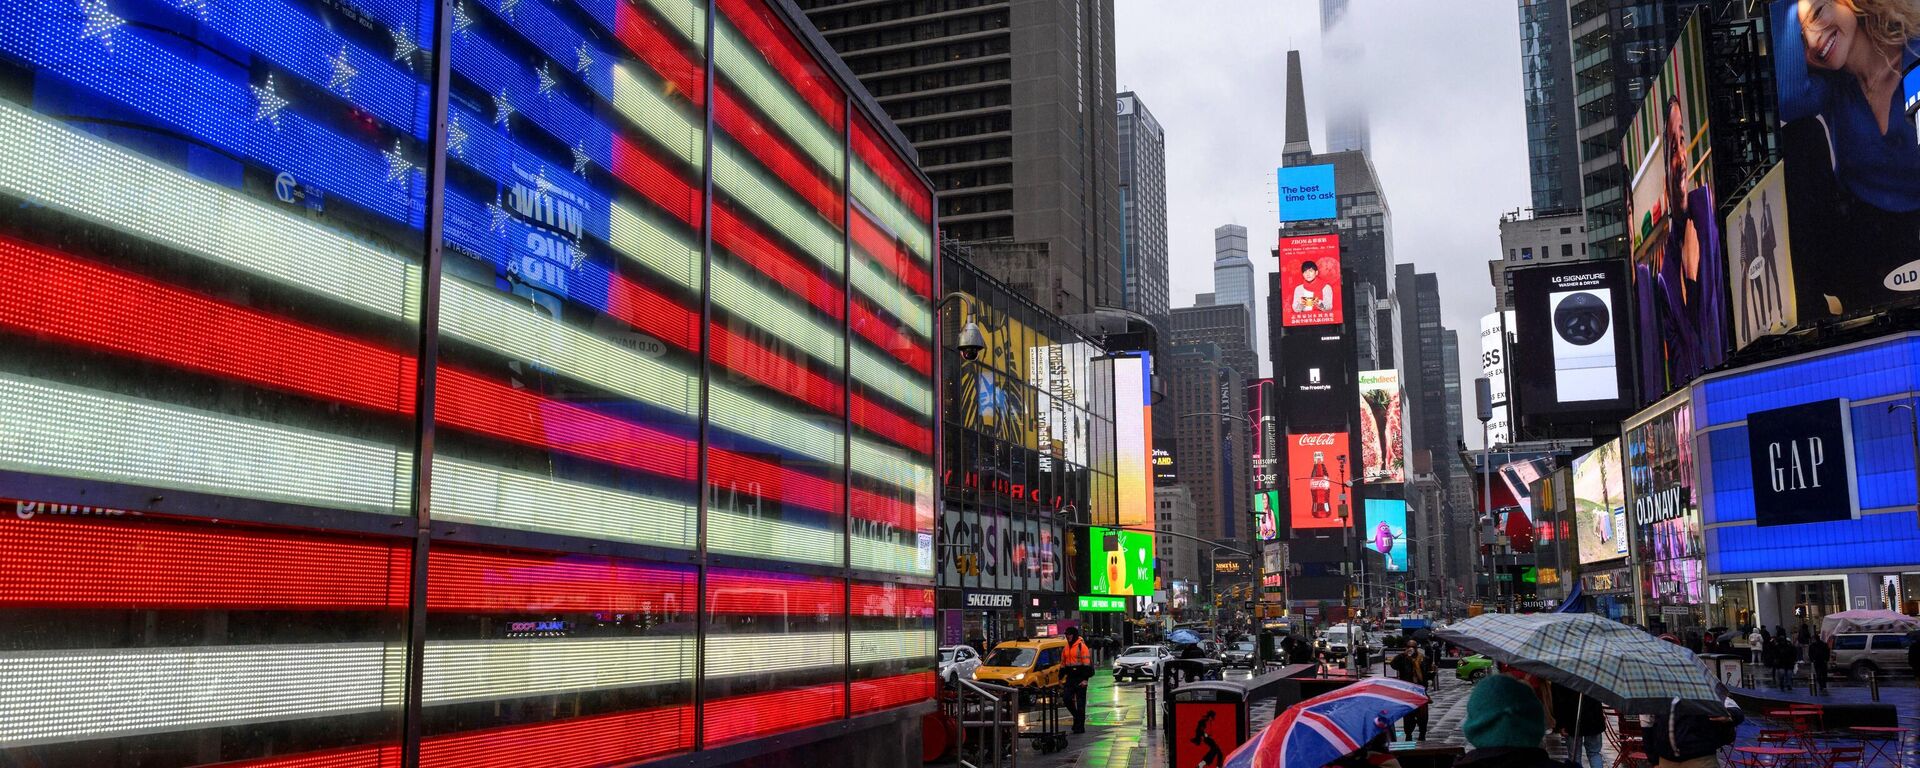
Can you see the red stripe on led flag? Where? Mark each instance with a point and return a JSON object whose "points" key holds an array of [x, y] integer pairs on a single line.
{"points": [[887, 692], [889, 253], [649, 311], [887, 336], [766, 713], [805, 76], [777, 484], [886, 510], [876, 600], [799, 175], [469, 402], [751, 593], [892, 426], [733, 233], [643, 36], [151, 564], [576, 743], [880, 158], [777, 372], [57, 296], [486, 582]]}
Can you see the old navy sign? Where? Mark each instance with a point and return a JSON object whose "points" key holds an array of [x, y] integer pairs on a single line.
{"points": [[1802, 459]]}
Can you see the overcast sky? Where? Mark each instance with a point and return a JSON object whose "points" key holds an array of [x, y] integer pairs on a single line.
{"points": [[1440, 82]]}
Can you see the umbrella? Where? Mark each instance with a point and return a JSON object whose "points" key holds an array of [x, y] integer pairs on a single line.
{"points": [[1630, 670], [1332, 725], [1183, 637]]}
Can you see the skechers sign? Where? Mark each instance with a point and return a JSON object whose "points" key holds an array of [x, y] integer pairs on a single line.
{"points": [[1802, 459]]}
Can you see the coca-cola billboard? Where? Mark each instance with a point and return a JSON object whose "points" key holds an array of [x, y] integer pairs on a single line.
{"points": [[1317, 478]]}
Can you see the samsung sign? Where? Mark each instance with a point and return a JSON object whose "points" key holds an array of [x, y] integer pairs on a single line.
{"points": [[1802, 459]]}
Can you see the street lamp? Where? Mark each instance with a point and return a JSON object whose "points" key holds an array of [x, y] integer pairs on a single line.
{"points": [[1483, 407]]}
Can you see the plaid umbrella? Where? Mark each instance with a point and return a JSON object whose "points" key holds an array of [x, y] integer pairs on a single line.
{"points": [[1630, 670], [1332, 725]]}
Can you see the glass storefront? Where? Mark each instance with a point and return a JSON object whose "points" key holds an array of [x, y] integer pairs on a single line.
{"points": [[283, 473]]}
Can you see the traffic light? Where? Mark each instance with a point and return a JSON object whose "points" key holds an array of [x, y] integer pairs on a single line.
{"points": [[967, 563]]}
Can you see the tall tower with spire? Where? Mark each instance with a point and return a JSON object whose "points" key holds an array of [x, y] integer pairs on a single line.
{"points": [[1298, 144]]}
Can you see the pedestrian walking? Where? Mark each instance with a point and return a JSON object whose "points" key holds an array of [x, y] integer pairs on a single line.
{"points": [[1819, 654], [1785, 656], [1583, 721], [1506, 725], [1413, 666], [1756, 644], [1078, 662]]}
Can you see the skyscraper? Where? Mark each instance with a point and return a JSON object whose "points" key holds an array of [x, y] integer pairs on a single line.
{"points": [[1423, 366], [1340, 53], [1618, 46], [1233, 274], [1212, 451], [1546, 89], [1223, 324], [1143, 210], [1010, 107]]}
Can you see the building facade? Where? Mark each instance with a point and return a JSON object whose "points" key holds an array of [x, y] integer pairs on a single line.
{"points": [[1143, 209], [1180, 559], [1233, 275], [1222, 325], [1546, 90], [1010, 105], [1618, 47], [381, 407], [1212, 450], [1028, 443], [1528, 238]]}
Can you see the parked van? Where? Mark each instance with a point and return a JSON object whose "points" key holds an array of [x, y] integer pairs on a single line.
{"points": [[1025, 664]]}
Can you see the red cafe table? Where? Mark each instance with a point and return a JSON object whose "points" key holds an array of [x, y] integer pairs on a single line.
{"points": [[1874, 740], [1776, 754]]}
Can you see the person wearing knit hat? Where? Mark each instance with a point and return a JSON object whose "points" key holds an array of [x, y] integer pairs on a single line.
{"points": [[1506, 724]]}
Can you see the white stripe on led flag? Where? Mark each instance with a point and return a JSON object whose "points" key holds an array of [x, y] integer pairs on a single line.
{"points": [[769, 537], [765, 654], [886, 645], [477, 493], [54, 429], [889, 557], [80, 694], [740, 62], [869, 281], [687, 18], [739, 175], [892, 378], [883, 206]]}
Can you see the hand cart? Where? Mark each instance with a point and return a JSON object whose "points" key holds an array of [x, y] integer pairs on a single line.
{"points": [[1043, 723]]}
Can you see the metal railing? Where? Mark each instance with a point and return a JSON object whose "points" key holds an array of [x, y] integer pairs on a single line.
{"points": [[998, 710]]}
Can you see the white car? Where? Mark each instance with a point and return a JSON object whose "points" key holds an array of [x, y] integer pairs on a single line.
{"points": [[958, 661], [1140, 662]]}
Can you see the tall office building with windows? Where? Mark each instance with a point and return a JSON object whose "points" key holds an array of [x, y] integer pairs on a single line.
{"points": [[1010, 105], [1546, 89], [1233, 275], [1347, 128], [1143, 210]]}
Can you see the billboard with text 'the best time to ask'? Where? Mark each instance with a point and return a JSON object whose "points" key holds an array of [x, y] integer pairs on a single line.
{"points": [[1307, 193]]}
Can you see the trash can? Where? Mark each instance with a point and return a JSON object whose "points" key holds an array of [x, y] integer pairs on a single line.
{"points": [[1208, 721]]}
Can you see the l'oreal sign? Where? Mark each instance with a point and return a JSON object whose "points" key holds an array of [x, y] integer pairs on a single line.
{"points": [[1802, 459]]}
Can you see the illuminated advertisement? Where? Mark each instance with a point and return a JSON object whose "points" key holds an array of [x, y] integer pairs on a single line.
{"points": [[1519, 477], [1573, 334], [1382, 457], [1316, 388], [1012, 551], [1673, 223], [1165, 471], [1386, 531], [1132, 425], [682, 273], [1662, 505], [1307, 193], [1266, 433], [1760, 254], [1317, 479], [1310, 280], [1266, 504], [1496, 340], [1121, 562], [1852, 169], [1600, 504]]}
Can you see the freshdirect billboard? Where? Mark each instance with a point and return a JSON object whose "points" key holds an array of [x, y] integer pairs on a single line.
{"points": [[1386, 531], [1122, 562], [1673, 222], [1307, 193], [1852, 186], [1310, 280], [1132, 425], [1600, 504], [1316, 478], [1382, 458]]}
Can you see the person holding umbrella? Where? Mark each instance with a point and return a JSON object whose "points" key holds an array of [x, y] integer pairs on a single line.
{"points": [[1584, 723], [1505, 725]]}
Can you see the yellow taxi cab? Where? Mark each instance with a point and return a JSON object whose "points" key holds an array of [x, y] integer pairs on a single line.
{"points": [[1025, 664]]}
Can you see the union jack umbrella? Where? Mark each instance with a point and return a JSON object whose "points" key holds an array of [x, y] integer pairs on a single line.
{"points": [[1330, 726]]}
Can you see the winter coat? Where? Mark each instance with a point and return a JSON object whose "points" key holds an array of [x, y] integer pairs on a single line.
{"points": [[1509, 757]]}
